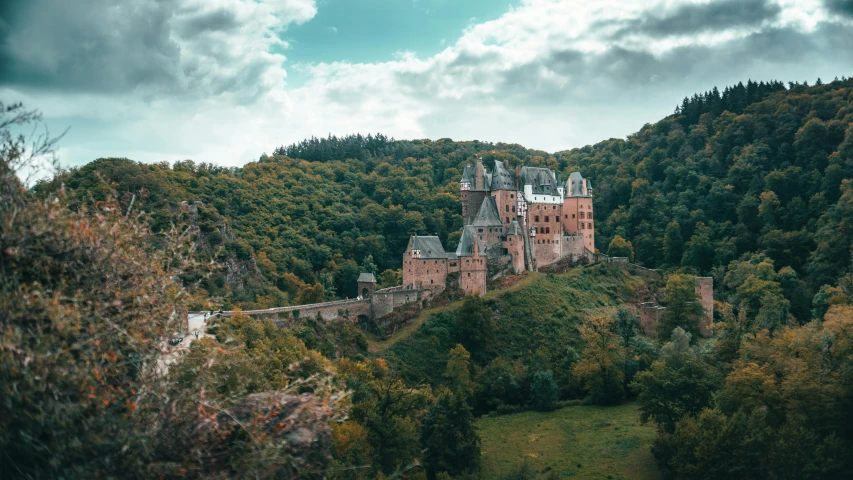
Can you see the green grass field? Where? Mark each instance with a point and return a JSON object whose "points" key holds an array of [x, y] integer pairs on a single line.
{"points": [[574, 442]]}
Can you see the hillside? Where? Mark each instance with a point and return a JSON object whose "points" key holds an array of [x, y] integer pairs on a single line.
{"points": [[536, 325], [751, 186], [756, 169]]}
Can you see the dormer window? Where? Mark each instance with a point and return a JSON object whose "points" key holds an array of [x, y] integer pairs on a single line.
{"points": [[416, 254]]}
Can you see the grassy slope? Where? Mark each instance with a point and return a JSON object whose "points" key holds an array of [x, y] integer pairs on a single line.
{"points": [[579, 442], [541, 314], [377, 345]]}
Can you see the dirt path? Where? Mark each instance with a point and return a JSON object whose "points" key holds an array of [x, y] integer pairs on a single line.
{"points": [[377, 345]]}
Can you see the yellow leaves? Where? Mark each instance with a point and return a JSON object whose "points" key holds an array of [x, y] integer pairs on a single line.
{"points": [[381, 363]]}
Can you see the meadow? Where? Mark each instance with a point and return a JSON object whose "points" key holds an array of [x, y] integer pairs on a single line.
{"points": [[579, 442]]}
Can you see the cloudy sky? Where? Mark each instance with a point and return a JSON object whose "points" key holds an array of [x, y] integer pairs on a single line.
{"points": [[226, 80]]}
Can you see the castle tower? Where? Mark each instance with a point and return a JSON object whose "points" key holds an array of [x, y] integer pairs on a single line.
{"points": [[488, 225], [472, 265], [577, 210], [366, 285], [425, 265], [473, 188], [479, 176], [514, 246], [504, 189]]}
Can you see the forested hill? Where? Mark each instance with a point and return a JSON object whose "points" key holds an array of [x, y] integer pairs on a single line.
{"points": [[757, 169]]}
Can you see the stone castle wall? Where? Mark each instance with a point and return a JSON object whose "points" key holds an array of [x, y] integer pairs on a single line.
{"points": [[506, 202], [489, 237], [472, 275], [514, 245], [386, 300], [429, 274], [705, 292], [472, 200]]}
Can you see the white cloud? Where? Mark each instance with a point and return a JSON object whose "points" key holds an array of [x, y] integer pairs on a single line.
{"points": [[547, 74]]}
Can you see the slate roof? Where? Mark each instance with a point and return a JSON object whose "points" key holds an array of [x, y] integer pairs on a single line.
{"points": [[543, 180], [430, 247], [366, 278], [468, 175], [514, 228], [488, 215], [576, 185], [466, 243], [502, 179]]}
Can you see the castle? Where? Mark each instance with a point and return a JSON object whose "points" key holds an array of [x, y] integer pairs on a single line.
{"points": [[515, 220]]}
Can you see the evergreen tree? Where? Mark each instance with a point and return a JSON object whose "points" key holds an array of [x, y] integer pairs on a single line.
{"points": [[449, 439], [543, 391], [474, 327]]}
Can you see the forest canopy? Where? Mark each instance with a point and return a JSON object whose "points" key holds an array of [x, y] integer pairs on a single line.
{"points": [[759, 168]]}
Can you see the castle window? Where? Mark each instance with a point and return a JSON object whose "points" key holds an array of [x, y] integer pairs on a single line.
{"points": [[430, 282], [573, 215], [582, 225], [546, 218], [554, 207], [479, 230], [567, 216], [511, 195], [507, 207], [469, 274], [548, 230], [513, 209], [581, 214], [537, 218]]}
